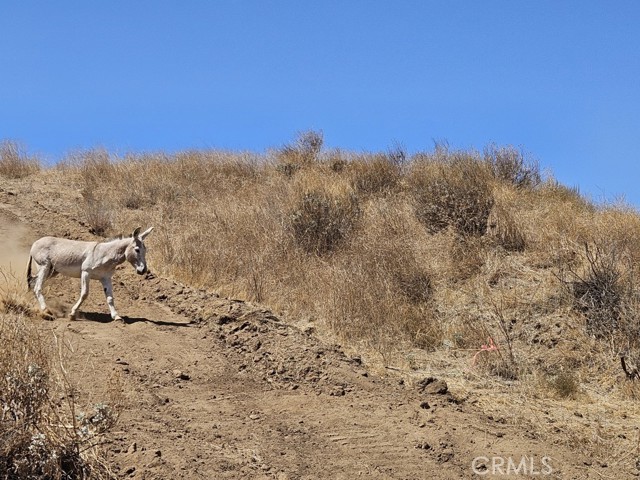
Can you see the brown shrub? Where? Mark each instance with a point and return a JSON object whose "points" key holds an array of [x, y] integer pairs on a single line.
{"points": [[97, 214], [95, 167], [377, 174], [379, 289], [598, 292], [322, 221], [304, 151], [452, 191], [509, 165], [565, 385]]}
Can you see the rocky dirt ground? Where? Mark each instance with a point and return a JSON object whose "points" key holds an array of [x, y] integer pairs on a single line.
{"points": [[220, 388]]}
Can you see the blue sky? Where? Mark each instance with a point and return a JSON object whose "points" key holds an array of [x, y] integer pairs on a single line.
{"points": [[559, 79]]}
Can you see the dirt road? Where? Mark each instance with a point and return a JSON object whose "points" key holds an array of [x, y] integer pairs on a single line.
{"points": [[218, 388]]}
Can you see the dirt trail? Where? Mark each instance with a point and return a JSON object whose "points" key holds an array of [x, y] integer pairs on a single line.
{"points": [[219, 388]]}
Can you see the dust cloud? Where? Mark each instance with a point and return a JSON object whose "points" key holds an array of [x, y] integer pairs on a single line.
{"points": [[14, 248]]}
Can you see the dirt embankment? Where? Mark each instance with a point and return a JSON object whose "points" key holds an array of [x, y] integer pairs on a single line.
{"points": [[219, 388]]}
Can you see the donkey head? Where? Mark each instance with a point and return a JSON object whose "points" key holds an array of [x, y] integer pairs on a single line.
{"points": [[135, 252]]}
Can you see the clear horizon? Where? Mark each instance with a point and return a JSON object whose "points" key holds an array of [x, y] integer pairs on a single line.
{"points": [[557, 80]]}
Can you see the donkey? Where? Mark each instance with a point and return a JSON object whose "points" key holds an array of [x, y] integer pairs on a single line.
{"points": [[85, 260]]}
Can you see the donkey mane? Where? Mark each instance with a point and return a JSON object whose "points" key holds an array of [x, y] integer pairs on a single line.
{"points": [[120, 236]]}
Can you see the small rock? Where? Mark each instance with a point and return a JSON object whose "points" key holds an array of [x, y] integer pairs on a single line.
{"points": [[337, 392], [132, 449], [432, 385], [158, 453], [254, 416], [224, 319], [180, 375], [425, 405]]}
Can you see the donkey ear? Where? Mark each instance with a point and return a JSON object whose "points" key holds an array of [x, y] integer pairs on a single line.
{"points": [[145, 233], [136, 232]]}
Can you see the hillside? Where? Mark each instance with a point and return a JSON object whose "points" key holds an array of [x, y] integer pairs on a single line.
{"points": [[306, 310]]}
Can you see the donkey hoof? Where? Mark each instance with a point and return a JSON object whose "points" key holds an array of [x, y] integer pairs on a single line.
{"points": [[47, 315], [118, 318], [73, 316]]}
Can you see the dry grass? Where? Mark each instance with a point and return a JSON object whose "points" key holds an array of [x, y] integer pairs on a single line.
{"points": [[44, 432], [15, 162], [13, 299], [385, 252], [435, 254], [320, 221], [452, 190], [441, 254]]}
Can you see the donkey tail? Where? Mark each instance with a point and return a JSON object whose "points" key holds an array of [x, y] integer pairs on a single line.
{"points": [[29, 277]]}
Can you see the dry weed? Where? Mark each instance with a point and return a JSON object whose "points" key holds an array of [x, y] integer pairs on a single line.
{"points": [[14, 298], [378, 174], [14, 161], [452, 190], [321, 221], [303, 152], [502, 227], [42, 437], [510, 166]]}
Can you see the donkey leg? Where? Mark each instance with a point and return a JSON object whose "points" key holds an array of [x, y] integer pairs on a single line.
{"points": [[84, 292], [108, 292], [44, 272]]}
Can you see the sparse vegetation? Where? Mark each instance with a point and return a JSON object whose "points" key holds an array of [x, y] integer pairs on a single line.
{"points": [[388, 253], [45, 433], [387, 239]]}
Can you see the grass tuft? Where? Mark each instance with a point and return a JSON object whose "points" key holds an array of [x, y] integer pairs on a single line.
{"points": [[15, 162]]}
